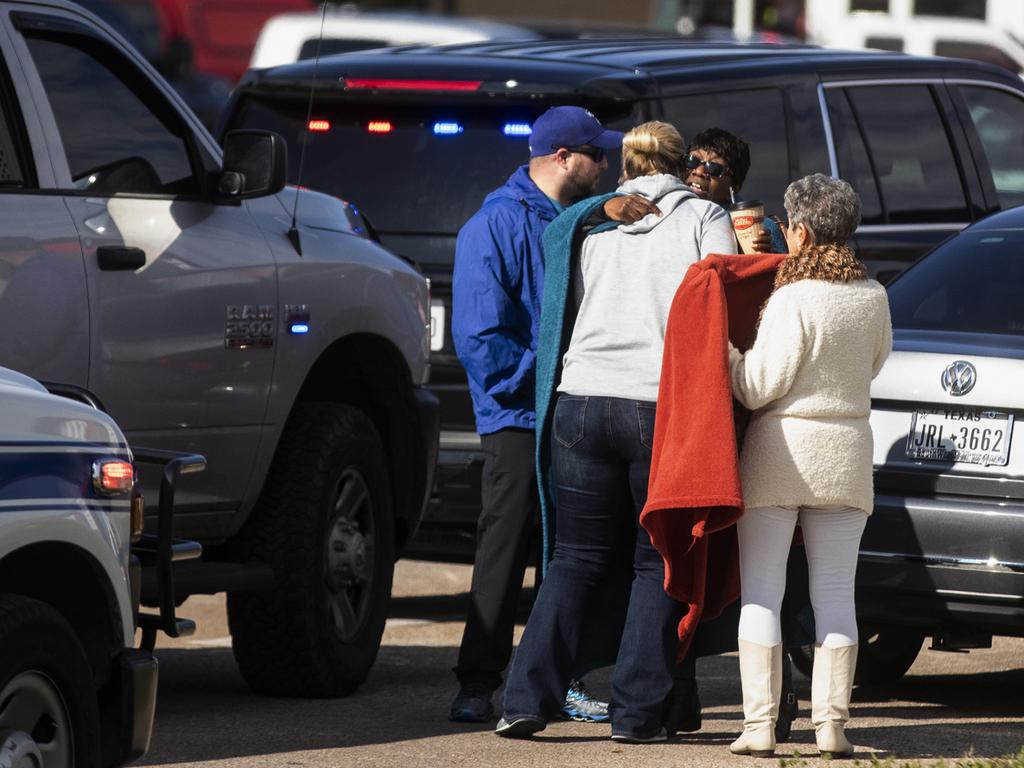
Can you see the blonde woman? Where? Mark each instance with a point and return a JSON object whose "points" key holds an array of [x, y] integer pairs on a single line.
{"points": [[601, 434], [823, 337]]}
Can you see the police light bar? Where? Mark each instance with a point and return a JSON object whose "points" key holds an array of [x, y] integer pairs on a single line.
{"points": [[388, 84], [319, 126], [380, 126], [517, 129], [447, 129]]}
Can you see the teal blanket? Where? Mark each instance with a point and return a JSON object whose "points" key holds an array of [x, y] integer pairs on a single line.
{"points": [[561, 252], [606, 616]]}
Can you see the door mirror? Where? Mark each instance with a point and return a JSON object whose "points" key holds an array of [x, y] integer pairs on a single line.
{"points": [[255, 165]]}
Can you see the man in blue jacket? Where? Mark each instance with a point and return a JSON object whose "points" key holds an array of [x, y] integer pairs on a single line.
{"points": [[497, 287]]}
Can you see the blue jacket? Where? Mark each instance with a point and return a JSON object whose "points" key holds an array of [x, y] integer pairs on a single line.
{"points": [[496, 300]]}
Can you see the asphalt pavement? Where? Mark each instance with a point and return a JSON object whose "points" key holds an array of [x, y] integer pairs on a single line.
{"points": [[948, 706]]}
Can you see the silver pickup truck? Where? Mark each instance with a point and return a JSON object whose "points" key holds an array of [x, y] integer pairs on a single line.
{"points": [[186, 291]]}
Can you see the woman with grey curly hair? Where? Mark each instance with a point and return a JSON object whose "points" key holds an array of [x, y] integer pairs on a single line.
{"points": [[823, 336]]}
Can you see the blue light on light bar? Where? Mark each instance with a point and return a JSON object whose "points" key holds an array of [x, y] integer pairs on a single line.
{"points": [[447, 129], [517, 129], [299, 328]]}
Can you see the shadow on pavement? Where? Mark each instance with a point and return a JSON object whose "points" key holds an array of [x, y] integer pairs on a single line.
{"points": [[206, 712]]}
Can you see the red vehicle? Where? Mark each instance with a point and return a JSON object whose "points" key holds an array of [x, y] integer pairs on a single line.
{"points": [[222, 32], [185, 37]]}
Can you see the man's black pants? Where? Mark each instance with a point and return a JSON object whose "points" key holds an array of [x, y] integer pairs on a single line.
{"points": [[510, 510]]}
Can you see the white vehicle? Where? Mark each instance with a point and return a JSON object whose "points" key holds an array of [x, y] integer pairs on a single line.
{"points": [[943, 554], [982, 38], [291, 37], [74, 690]]}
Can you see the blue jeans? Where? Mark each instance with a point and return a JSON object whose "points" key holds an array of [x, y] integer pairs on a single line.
{"points": [[601, 457]]}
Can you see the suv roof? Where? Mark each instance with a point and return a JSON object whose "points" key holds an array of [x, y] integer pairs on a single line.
{"points": [[597, 66]]}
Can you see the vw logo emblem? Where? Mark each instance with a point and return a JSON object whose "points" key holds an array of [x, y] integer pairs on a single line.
{"points": [[959, 378]]}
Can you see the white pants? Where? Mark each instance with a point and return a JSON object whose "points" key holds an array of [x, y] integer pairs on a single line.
{"points": [[832, 539]]}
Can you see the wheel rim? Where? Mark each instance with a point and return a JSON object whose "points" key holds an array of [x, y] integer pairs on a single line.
{"points": [[32, 704], [350, 553]]}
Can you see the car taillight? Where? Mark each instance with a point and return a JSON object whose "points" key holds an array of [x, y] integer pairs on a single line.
{"points": [[388, 84], [113, 476]]}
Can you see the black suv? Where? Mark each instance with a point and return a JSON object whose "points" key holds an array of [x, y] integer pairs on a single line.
{"points": [[418, 136]]}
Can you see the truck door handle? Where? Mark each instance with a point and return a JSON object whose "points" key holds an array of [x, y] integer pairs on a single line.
{"points": [[111, 257]]}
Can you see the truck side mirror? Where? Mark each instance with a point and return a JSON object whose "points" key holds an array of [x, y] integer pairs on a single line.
{"points": [[255, 165]]}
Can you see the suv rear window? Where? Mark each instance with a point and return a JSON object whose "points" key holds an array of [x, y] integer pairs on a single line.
{"points": [[410, 169], [971, 284]]}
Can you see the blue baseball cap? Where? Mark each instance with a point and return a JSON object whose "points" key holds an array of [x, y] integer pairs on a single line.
{"points": [[570, 127]]}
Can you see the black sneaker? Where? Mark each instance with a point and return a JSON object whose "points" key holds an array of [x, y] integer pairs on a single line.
{"points": [[681, 713], [639, 738], [472, 704], [522, 727]]}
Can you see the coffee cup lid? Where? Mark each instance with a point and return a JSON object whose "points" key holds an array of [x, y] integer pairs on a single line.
{"points": [[743, 205]]}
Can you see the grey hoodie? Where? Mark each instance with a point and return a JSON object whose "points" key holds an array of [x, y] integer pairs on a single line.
{"points": [[625, 285]]}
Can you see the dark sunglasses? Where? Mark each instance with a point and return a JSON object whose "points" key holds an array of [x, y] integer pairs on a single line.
{"points": [[594, 153], [713, 169]]}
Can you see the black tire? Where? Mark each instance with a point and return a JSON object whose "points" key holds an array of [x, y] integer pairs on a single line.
{"points": [[325, 524], [47, 696], [885, 654]]}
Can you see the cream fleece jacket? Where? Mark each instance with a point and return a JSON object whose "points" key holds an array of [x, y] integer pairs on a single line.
{"points": [[808, 380]]}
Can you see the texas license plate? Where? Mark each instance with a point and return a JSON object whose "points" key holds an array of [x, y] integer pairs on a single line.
{"points": [[961, 435]]}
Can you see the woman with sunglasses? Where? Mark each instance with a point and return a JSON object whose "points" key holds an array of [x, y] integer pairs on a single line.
{"points": [[601, 437], [716, 164]]}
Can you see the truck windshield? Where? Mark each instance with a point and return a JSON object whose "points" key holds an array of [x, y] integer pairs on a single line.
{"points": [[410, 169]]}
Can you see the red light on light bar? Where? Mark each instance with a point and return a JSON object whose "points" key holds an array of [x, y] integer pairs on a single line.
{"points": [[319, 125], [380, 126], [413, 85]]}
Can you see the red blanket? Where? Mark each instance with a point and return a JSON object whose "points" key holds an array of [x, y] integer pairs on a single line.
{"points": [[694, 497]]}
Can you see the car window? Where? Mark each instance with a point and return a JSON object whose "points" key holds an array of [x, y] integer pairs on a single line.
{"points": [[910, 153], [963, 49], [758, 116], [852, 155], [119, 134], [332, 45], [998, 117], [411, 169], [885, 43], [972, 284]]}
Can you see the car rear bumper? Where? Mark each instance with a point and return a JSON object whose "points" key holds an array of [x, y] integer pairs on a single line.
{"points": [[942, 563]]}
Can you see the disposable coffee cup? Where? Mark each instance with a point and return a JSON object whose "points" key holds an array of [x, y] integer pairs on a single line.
{"points": [[748, 223]]}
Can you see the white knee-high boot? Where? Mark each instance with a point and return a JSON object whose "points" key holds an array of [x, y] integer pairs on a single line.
{"points": [[761, 680], [831, 686]]}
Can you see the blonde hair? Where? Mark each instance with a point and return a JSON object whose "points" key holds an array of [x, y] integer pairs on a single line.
{"points": [[650, 148]]}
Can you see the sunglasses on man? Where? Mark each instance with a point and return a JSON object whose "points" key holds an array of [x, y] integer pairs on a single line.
{"points": [[713, 169], [594, 153]]}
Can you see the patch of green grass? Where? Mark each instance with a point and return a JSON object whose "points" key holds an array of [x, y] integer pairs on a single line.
{"points": [[1010, 761]]}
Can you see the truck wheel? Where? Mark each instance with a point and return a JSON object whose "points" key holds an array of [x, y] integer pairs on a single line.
{"points": [[885, 654], [324, 523], [49, 716]]}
